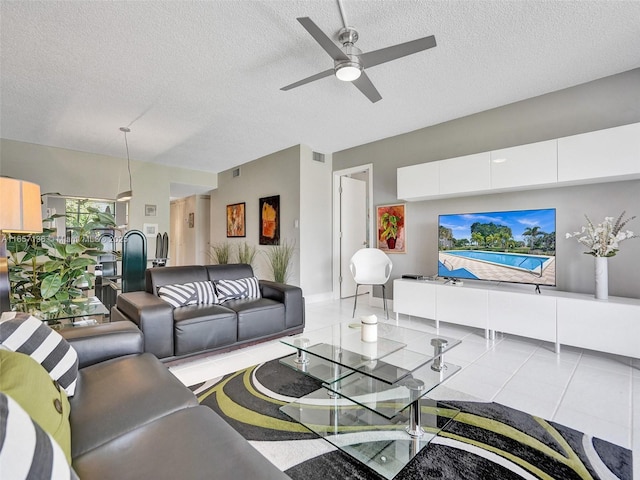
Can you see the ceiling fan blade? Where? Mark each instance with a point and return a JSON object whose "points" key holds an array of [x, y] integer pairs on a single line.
{"points": [[371, 59], [325, 42], [310, 79], [363, 83]]}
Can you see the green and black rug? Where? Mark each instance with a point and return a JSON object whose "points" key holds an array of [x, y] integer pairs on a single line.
{"points": [[484, 441]]}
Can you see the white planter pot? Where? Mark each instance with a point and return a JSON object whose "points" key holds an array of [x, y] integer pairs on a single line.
{"points": [[602, 278]]}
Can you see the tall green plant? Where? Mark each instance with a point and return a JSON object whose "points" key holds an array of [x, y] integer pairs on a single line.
{"points": [[280, 257], [246, 253], [41, 267], [220, 253]]}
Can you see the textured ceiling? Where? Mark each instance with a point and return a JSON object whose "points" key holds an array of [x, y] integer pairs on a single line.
{"points": [[199, 83]]}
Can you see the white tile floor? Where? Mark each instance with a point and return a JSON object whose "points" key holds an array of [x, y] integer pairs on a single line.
{"points": [[595, 393]]}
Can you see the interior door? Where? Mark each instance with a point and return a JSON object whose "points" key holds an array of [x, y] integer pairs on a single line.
{"points": [[353, 229]]}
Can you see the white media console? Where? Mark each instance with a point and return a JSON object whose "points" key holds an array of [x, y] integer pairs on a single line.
{"points": [[561, 318]]}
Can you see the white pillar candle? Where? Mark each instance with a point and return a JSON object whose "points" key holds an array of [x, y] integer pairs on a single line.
{"points": [[369, 328]]}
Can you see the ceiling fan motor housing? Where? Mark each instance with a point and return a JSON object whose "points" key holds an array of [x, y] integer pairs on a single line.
{"points": [[348, 70]]}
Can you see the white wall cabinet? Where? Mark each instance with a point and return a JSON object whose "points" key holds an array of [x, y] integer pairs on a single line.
{"points": [[606, 155], [525, 166], [611, 326], [614, 152], [465, 175], [419, 181]]}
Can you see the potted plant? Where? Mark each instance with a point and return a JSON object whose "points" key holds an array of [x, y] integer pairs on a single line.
{"points": [[220, 253], [246, 253], [43, 268], [279, 257]]}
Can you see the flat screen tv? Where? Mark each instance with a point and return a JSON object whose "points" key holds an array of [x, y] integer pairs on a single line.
{"points": [[517, 246]]}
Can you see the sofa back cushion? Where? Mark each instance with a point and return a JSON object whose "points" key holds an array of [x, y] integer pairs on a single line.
{"points": [[231, 271], [160, 276]]}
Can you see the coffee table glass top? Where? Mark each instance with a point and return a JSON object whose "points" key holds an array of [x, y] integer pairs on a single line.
{"points": [[379, 443], [372, 404], [54, 311], [397, 352]]}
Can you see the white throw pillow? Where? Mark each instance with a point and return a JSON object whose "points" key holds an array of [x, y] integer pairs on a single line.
{"points": [[193, 293], [242, 288], [27, 451], [23, 333]]}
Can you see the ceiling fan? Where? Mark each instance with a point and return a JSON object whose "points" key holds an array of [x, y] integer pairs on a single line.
{"points": [[349, 61]]}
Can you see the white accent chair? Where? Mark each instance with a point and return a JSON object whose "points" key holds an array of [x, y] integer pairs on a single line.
{"points": [[370, 266]]}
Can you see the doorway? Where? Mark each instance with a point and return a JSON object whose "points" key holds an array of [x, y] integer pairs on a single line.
{"points": [[352, 223]]}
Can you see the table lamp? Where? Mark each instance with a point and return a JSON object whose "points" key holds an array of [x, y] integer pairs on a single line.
{"points": [[20, 212]]}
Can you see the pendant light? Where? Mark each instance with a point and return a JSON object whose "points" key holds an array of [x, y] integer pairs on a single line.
{"points": [[124, 196]]}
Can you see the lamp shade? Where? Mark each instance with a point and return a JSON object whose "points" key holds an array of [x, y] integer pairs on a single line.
{"points": [[20, 206], [124, 196]]}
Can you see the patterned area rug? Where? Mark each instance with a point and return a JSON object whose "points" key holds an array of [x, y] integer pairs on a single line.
{"points": [[484, 441]]}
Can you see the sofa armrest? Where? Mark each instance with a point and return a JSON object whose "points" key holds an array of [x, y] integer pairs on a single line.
{"points": [[153, 316], [105, 341], [292, 298]]}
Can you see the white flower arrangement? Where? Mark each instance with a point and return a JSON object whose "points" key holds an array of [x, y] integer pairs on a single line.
{"points": [[603, 240]]}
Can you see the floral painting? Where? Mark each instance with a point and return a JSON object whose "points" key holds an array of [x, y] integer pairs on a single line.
{"points": [[236, 220], [391, 220], [270, 220]]}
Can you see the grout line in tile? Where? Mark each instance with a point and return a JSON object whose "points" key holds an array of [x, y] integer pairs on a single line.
{"points": [[566, 387]]}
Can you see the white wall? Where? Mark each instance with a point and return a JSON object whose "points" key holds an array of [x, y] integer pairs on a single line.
{"points": [[190, 245], [315, 225], [82, 174]]}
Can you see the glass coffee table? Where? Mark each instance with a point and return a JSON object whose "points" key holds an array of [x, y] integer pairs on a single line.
{"points": [[372, 403], [66, 313]]}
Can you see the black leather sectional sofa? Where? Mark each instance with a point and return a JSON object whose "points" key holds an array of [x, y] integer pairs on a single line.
{"points": [[172, 333], [132, 419]]}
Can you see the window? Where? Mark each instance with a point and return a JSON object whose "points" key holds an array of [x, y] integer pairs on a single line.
{"points": [[77, 213]]}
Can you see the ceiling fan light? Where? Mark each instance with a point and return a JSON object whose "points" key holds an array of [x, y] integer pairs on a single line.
{"points": [[348, 72]]}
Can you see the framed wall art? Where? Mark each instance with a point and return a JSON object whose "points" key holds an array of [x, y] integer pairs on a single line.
{"points": [[150, 210], [236, 220], [270, 220], [391, 222], [150, 229]]}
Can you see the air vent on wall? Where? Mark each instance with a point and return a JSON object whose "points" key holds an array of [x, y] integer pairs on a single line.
{"points": [[318, 157], [236, 172]]}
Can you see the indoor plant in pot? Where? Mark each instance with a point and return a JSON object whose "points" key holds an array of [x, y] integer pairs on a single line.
{"points": [[44, 269], [603, 241]]}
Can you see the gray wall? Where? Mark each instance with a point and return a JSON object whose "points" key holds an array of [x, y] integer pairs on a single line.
{"points": [[275, 174], [604, 103]]}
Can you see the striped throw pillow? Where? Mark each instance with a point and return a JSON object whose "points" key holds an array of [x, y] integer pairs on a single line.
{"points": [[27, 451], [242, 288], [193, 293], [23, 333]]}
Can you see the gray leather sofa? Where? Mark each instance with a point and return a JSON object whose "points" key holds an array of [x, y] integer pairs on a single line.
{"points": [[174, 333], [132, 419]]}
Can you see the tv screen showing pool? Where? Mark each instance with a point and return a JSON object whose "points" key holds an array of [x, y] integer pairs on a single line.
{"points": [[517, 246]]}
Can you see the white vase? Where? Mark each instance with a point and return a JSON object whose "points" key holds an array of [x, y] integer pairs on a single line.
{"points": [[602, 278]]}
